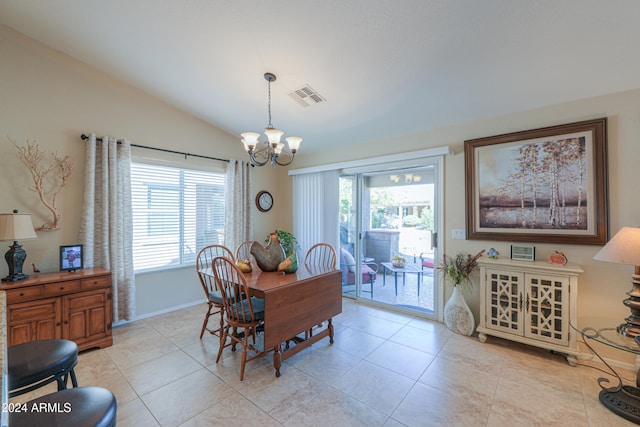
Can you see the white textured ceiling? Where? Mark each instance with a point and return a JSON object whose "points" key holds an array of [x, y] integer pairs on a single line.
{"points": [[385, 67]]}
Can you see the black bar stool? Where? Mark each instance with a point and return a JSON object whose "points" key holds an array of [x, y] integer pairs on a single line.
{"points": [[37, 363], [77, 407]]}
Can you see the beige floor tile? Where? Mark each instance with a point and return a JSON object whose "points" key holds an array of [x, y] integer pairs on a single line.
{"points": [[205, 350], [334, 408], [183, 399], [375, 386], [377, 326], [531, 400], [135, 414], [401, 359], [235, 410], [150, 375], [142, 348], [427, 406], [96, 368], [421, 339], [327, 363], [461, 379], [283, 397], [357, 343]]}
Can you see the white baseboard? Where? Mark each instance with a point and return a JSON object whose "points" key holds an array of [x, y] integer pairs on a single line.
{"points": [[156, 313], [614, 363]]}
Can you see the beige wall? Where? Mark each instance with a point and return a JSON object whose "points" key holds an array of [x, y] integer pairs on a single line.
{"points": [[51, 99], [602, 286], [48, 98]]}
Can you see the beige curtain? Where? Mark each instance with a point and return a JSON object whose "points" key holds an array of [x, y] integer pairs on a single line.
{"points": [[106, 228], [238, 224]]}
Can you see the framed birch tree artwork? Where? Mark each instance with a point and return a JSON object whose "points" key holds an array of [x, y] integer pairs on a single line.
{"points": [[545, 185]]}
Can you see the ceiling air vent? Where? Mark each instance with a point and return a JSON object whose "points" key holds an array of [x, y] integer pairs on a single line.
{"points": [[306, 96]]}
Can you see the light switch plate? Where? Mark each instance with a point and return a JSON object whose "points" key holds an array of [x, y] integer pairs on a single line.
{"points": [[458, 234]]}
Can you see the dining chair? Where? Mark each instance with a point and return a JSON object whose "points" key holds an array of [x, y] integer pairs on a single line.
{"points": [[244, 252], [321, 254], [241, 311], [204, 262]]}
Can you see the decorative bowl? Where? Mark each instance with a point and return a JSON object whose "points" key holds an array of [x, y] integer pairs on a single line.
{"points": [[399, 262]]}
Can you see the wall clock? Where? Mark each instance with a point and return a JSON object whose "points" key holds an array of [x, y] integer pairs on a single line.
{"points": [[264, 201]]}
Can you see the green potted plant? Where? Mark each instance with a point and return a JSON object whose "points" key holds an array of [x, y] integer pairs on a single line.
{"points": [[457, 314], [288, 242]]}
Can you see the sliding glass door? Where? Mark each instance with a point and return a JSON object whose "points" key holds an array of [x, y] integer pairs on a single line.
{"points": [[388, 236]]}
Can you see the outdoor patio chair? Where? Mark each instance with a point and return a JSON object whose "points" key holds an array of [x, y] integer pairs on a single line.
{"points": [[427, 261], [369, 271]]}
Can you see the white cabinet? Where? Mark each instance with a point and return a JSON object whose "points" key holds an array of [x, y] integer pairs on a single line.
{"points": [[530, 302]]}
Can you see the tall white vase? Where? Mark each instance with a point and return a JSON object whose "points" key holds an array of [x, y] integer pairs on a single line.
{"points": [[457, 314]]}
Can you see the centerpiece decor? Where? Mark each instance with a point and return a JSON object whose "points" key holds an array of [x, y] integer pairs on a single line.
{"points": [[279, 254], [268, 257], [457, 314]]}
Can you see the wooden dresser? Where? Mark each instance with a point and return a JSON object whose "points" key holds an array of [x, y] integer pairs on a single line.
{"points": [[74, 306]]}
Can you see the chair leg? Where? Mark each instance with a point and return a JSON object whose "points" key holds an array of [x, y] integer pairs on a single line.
{"points": [[222, 341], [74, 380], [206, 320], [244, 353], [221, 311]]}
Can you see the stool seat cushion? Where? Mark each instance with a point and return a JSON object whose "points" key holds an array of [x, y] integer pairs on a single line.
{"points": [[77, 407], [36, 360]]}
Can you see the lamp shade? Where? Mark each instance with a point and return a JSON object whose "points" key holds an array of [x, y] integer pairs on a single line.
{"points": [[15, 226], [623, 248]]}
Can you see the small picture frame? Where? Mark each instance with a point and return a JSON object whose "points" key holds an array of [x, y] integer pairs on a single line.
{"points": [[71, 257], [523, 253]]}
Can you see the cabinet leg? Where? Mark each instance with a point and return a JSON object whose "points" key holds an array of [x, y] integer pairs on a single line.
{"points": [[482, 337], [572, 360]]}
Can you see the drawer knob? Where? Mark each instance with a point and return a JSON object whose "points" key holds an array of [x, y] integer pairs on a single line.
{"points": [[62, 288], [21, 294]]}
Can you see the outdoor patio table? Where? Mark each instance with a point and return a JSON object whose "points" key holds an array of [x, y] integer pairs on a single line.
{"points": [[395, 270]]}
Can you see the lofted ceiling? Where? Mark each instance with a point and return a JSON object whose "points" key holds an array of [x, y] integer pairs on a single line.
{"points": [[385, 67]]}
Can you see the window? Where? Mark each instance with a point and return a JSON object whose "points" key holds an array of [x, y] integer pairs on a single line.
{"points": [[176, 212]]}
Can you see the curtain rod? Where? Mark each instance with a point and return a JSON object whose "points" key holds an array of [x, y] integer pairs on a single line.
{"points": [[85, 137]]}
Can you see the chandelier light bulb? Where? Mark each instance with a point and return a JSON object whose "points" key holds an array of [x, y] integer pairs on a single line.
{"points": [[294, 143], [250, 140], [273, 135]]}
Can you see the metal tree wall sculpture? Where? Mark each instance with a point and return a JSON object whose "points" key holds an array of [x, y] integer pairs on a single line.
{"points": [[50, 174]]}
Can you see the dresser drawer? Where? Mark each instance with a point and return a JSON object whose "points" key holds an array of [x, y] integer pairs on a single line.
{"points": [[96, 283], [24, 294], [60, 288]]}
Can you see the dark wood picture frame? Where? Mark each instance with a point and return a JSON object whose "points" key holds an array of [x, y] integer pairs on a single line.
{"points": [[545, 185]]}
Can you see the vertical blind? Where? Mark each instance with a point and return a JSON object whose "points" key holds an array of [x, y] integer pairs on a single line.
{"points": [[176, 212]]}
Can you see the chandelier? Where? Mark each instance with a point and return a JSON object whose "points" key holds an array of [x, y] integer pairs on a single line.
{"points": [[271, 151]]}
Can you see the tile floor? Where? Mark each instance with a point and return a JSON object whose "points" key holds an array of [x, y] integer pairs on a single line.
{"points": [[385, 369]]}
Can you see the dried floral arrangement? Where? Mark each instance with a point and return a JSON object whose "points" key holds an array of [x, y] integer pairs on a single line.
{"points": [[458, 268], [50, 174]]}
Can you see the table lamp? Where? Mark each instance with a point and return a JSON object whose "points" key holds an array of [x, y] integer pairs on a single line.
{"points": [[624, 248], [15, 226]]}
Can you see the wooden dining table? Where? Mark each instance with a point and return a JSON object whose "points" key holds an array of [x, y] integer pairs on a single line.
{"points": [[295, 303]]}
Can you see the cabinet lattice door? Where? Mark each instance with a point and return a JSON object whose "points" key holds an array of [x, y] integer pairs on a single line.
{"points": [[547, 308], [505, 301]]}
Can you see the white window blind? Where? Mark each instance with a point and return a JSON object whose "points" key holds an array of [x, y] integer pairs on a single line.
{"points": [[176, 212]]}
